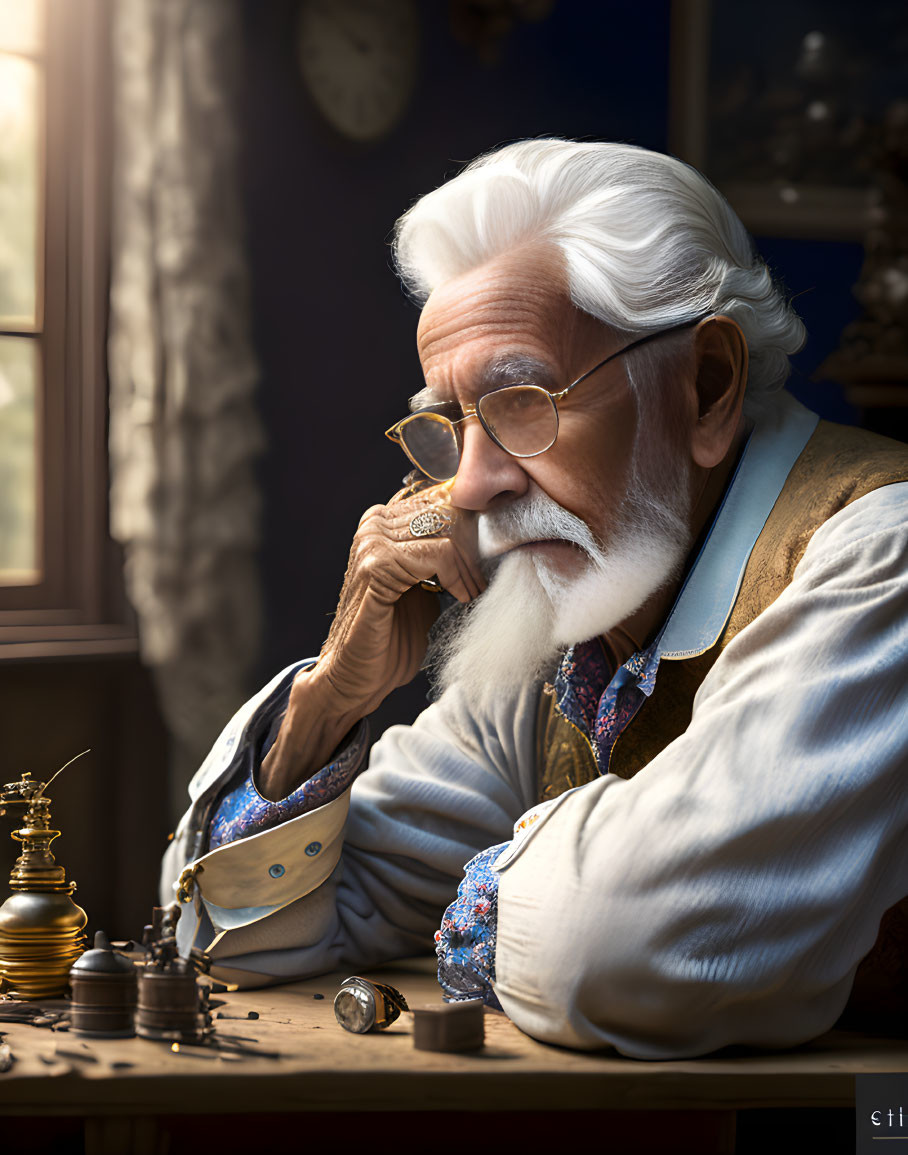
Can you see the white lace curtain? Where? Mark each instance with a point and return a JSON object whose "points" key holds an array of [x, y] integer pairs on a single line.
{"points": [[183, 426]]}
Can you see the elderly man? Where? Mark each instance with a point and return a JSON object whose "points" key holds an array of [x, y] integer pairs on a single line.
{"points": [[658, 802]]}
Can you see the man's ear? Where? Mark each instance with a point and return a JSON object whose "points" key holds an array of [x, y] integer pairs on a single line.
{"points": [[720, 362]]}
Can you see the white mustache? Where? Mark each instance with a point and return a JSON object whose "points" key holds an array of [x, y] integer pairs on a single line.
{"points": [[535, 517]]}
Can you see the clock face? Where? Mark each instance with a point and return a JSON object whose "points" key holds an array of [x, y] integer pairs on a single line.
{"points": [[358, 59]]}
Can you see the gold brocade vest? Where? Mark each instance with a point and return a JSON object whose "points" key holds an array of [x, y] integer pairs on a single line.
{"points": [[838, 465]]}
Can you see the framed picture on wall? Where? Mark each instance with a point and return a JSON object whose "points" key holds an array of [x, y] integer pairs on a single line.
{"points": [[782, 106]]}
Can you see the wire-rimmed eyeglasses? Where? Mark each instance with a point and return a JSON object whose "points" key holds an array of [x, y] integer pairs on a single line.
{"points": [[521, 418]]}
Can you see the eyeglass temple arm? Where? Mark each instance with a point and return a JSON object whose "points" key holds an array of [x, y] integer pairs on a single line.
{"points": [[626, 349]]}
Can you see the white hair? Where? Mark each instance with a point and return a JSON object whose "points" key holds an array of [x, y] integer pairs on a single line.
{"points": [[647, 241]]}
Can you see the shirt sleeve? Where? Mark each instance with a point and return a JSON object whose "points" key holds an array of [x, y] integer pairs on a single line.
{"points": [[242, 811], [727, 892], [367, 876]]}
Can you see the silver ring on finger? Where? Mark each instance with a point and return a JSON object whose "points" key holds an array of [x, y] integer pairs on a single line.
{"points": [[429, 523]]}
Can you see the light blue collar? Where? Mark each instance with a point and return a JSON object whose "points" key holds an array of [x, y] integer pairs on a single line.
{"points": [[705, 602]]}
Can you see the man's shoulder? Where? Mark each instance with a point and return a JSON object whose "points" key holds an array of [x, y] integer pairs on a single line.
{"points": [[839, 470], [856, 461], [874, 522]]}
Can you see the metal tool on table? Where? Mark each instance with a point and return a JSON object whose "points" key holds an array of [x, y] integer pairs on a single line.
{"points": [[41, 928], [172, 1005]]}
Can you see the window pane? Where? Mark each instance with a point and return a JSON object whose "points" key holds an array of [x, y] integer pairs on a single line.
{"points": [[18, 191], [18, 464], [22, 25]]}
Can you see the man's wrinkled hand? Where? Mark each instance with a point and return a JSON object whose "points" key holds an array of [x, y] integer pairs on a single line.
{"points": [[378, 639]]}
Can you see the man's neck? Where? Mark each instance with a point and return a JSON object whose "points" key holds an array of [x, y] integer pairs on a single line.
{"points": [[638, 631]]}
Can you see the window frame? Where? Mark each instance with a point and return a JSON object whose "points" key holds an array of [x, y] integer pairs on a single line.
{"points": [[78, 606]]}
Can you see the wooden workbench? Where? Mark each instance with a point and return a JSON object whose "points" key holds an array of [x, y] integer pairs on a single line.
{"points": [[139, 1096]]}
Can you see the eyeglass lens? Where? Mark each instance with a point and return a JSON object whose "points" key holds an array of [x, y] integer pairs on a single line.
{"points": [[521, 418], [432, 444]]}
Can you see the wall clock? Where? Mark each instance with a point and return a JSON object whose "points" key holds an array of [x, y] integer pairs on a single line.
{"points": [[358, 60]]}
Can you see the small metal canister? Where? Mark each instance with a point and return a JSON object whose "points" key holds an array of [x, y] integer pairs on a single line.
{"points": [[171, 1006], [103, 993]]}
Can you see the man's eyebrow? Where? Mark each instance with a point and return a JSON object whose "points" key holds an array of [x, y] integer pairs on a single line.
{"points": [[507, 370], [515, 368], [424, 399]]}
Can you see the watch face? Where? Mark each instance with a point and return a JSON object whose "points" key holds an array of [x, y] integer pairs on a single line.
{"points": [[358, 59], [354, 1008]]}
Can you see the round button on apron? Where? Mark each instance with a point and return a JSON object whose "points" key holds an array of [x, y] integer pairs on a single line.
{"points": [[313, 848], [276, 871]]}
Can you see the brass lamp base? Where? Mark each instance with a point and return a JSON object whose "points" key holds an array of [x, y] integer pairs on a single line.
{"points": [[40, 939], [40, 925]]}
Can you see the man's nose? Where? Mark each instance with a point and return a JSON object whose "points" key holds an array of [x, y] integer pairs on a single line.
{"points": [[486, 472]]}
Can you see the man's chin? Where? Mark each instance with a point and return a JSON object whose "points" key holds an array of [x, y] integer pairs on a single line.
{"points": [[607, 592]]}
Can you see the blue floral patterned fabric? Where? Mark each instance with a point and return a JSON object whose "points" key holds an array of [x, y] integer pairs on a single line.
{"points": [[599, 706], [603, 713], [465, 944], [242, 811]]}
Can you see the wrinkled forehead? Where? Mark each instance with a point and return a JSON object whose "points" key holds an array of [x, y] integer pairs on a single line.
{"points": [[512, 315]]}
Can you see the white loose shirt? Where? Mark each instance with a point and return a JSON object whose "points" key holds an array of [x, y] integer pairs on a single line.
{"points": [[724, 894]]}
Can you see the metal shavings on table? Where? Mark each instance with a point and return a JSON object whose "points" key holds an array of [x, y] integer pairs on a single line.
{"points": [[32, 1014]]}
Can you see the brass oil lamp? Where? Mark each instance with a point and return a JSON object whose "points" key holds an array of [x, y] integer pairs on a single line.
{"points": [[41, 928]]}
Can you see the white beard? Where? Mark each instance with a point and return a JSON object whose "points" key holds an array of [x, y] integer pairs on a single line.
{"points": [[515, 632]]}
